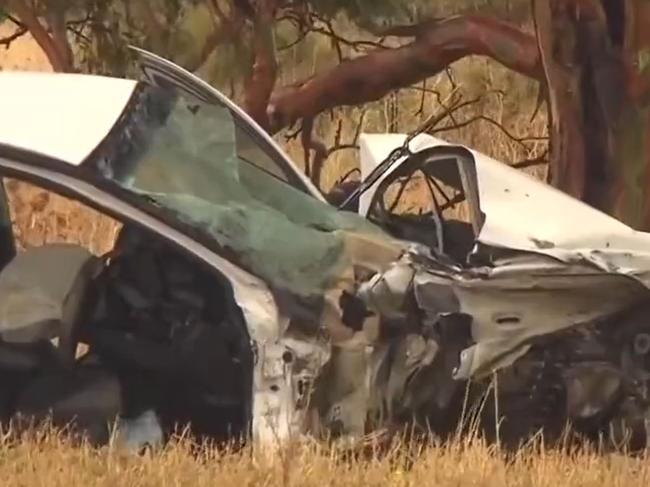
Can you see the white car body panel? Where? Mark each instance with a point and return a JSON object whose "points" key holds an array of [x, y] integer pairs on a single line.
{"points": [[273, 413], [524, 213], [55, 105], [67, 114]]}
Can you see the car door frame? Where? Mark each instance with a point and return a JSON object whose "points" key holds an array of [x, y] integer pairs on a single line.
{"points": [[158, 70], [7, 237], [467, 172], [251, 294]]}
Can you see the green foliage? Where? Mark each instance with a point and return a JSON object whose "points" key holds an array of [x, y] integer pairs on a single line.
{"points": [[368, 14]]}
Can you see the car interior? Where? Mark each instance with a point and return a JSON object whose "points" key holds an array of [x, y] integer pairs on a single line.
{"points": [[423, 201], [87, 340]]}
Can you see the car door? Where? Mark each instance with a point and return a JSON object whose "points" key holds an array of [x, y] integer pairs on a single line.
{"points": [[7, 241], [268, 154]]}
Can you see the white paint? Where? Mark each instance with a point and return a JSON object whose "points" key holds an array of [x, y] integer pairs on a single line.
{"points": [[64, 116], [374, 148], [520, 209]]}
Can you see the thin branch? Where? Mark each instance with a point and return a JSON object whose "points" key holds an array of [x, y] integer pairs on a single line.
{"points": [[301, 37], [18, 33], [420, 111], [337, 135], [314, 166], [448, 111], [349, 173], [450, 76], [309, 23], [485, 118], [408, 30], [341, 147], [293, 134], [536, 161], [78, 32], [353, 144], [335, 39], [403, 184], [338, 39]]}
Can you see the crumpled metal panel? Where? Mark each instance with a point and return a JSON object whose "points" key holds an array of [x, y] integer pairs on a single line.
{"points": [[568, 273], [512, 304], [524, 213]]}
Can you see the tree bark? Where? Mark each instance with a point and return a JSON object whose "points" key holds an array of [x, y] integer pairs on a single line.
{"points": [[370, 77], [56, 46], [562, 76], [259, 85], [593, 52], [631, 133]]}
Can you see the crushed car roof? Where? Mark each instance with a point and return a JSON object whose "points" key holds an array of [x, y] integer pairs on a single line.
{"points": [[524, 213], [67, 114]]}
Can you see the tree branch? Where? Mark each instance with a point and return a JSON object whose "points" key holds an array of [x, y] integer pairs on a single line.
{"points": [[485, 118], [57, 24], [18, 33], [57, 54], [370, 77], [259, 85], [314, 167], [536, 161]]}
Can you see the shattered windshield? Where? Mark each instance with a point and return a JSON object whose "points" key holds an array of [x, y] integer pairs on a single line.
{"points": [[193, 160]]}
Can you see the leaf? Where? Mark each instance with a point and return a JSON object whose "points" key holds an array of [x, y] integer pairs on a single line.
{"points": [[367, 14]]}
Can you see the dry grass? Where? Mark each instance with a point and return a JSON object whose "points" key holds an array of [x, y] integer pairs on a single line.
{"points": [[39, 217], [47, 459]]}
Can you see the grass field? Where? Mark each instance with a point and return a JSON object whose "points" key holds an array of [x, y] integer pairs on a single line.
{"points": [[49, 459]]}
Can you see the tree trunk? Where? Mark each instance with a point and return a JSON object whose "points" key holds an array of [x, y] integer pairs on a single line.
{"points": [[595, 56], [52, 41]]}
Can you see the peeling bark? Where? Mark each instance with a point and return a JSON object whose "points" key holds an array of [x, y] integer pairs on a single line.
{"points": [[260, 83], [599, 93], [567, 149], [370, 77], [631, 132]]}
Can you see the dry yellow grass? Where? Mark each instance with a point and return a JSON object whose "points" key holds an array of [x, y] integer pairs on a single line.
{"points": [[51, 460]]}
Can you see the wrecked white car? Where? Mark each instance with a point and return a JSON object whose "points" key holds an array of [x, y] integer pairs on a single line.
{"points": [[237, 300], [527, 292]]}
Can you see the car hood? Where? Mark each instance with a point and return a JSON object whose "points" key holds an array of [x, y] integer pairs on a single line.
{"points": [[524, 213]]}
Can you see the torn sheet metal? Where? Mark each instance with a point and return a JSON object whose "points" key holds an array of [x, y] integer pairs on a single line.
{"points": [[566, 274], [523, 213]]}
